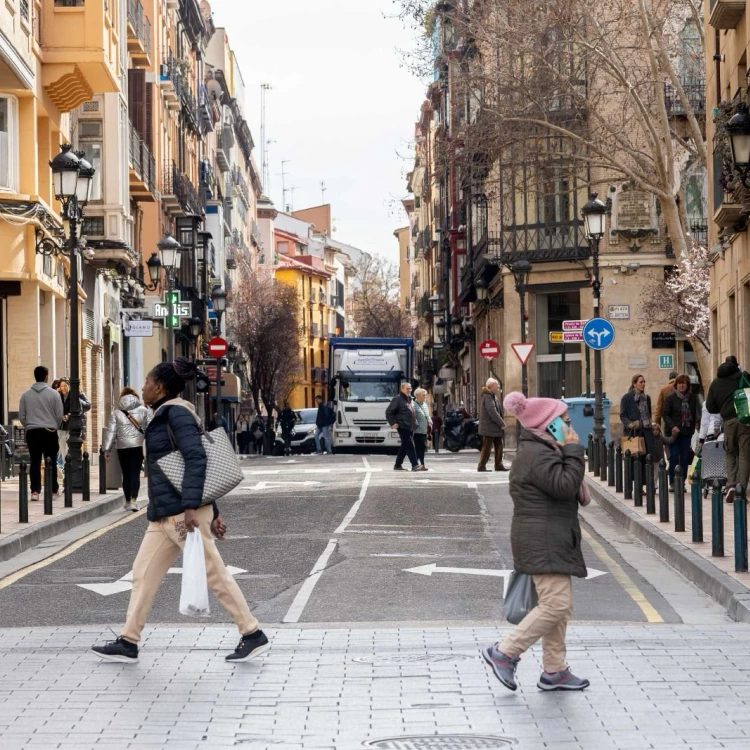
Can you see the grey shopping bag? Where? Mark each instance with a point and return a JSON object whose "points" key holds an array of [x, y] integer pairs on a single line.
{"points": [[520, 598]]}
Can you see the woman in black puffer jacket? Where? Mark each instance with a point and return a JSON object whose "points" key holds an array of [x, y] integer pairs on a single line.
{"points": [[171, 515]]}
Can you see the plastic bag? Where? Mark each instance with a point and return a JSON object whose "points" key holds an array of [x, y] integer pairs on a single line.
{"points": [[741, 399], [520, 598], [194, 593]]}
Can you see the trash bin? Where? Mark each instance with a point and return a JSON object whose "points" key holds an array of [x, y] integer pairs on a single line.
{"points": [[581, 413], [114, 472]]}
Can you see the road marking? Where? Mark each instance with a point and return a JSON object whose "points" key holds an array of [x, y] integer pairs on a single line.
{"points": [[623, 579], [264, 471], [353, 511], [459, 515], [303, 595], [360, 470], [470, 485], [270, 485], [400, 554], [317, 471], [366, 462]]}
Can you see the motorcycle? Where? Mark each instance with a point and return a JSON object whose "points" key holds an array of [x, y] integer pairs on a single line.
{"points": [[459, 432]]}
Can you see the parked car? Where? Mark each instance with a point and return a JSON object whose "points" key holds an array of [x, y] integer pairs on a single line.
{"points": [[303, 437]]}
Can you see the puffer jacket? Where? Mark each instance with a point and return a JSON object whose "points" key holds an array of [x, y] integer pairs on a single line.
{"points": [[491, 422], [163, 498], [121, 432], [545, 534], [720, 398]]}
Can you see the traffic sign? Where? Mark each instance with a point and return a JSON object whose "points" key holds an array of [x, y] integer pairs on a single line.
{"points": [[574, 325], [598, 334], [556, 337], [489, 349], [523, 351], [218, 347], [666, 361], [573, 337]]}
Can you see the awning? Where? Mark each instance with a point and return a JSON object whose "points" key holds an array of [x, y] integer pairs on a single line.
{"points": [[230, 390]]}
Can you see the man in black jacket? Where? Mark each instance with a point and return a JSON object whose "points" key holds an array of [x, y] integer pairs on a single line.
{"points": [[323, 421], [287, 420], [720, 400], [400, 416]]}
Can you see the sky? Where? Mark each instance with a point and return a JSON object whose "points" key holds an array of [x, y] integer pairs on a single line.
{"points": [[341, 109]]}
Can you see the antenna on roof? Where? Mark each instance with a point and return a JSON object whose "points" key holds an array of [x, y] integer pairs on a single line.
{"points": [[265, 175]]}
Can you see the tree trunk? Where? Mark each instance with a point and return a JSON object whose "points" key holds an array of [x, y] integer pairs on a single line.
{"points": [[671, 213]]}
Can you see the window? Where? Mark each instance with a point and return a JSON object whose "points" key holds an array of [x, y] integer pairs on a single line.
{"points": [[732, 324], [90, 141], [8, 144]]}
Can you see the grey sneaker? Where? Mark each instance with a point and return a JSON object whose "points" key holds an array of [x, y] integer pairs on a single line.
{"points": [[564, 680], [503, 666]]}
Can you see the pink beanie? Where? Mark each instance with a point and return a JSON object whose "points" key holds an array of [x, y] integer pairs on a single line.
{"points": [[534, 413]]}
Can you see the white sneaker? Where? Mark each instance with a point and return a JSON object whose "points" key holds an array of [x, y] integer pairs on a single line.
{"points": [[126, 505], [35, 496], [134, 506], [56, 496]]}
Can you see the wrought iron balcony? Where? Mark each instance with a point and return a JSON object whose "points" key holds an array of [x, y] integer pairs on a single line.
{"points": [[178, 192], [224, 143], [240, 184], [538, 243], [255, 236], [699, 229], [695, 92]]}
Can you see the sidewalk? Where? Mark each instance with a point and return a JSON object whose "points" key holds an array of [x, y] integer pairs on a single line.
{"points": [[714, 575], [16, 537]]}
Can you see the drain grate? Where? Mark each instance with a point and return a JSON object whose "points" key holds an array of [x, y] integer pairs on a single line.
{"points": [[441, 742], [391, 659]]}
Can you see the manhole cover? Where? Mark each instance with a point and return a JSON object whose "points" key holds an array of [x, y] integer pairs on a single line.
{"points": [[441, 742], [410, 658]]}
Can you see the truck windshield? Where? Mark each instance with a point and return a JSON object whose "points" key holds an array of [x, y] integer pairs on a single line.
{"points": [[368, 390]]}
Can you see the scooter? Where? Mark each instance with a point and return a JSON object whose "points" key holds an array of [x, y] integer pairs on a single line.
{"points": [[461, 433]]}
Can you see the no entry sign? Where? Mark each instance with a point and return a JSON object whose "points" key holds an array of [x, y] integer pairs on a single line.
{"points": [[489, 349], [218, 347]]}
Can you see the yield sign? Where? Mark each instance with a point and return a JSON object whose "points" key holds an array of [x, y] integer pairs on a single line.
{"points": [[523, 351]]}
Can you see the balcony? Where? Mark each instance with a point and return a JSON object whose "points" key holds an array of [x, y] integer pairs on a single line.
{"points": [[241, 189], [189, 107], [313, 296], [699, 229], [314, 330], [81, 56], [170, 84], [142, 169], [725, 14], [550, 241], [255, 236], [136, 35], [325, 332], [224, 143], [695, 92], [178, 193]]}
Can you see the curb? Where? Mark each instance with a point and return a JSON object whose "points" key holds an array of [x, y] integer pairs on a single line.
{"points": [[25, 539], [733, 596]]}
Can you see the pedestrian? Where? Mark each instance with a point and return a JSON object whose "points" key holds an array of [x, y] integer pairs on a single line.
{"points": [[172, 515], [64, 389], [491, 426], [663, 393], [323, 421], [242, 434], [681, 420], [437, 430], [423, 424], [41, 413], [635, 415], [257, 431], [125, 431], [62, 439], [720, 400], [287, 420], [547, 487], [711, 425], [401, 416]]}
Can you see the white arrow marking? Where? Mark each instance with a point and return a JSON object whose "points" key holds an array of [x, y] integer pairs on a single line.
{"points": [[317, 471], [267, 485], [265, 471], [470, 485], [126, 582]]}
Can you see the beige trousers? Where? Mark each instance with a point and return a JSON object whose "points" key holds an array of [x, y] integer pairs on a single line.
{"points": [[160, 546], [548, 621]]}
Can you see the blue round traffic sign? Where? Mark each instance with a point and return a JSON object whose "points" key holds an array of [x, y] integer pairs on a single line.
{"points": [[598, 334]]}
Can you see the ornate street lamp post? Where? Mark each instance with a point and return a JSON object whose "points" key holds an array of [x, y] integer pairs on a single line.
{"points": [[169, 256], [738, 129], [219, 300], [521, 271]]}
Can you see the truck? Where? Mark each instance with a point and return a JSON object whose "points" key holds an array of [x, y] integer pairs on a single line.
{"points": [[364, 374]]}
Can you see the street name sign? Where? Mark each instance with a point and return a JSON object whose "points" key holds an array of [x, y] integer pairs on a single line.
{"points": [[489, 349], [523, 351], [138, 328], [666, 361], [565, 337], [574, 325], [618, 312], [218, 347], [598, 334]]}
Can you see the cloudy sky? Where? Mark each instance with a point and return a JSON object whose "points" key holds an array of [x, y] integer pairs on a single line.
{"points": [[342, 108]]}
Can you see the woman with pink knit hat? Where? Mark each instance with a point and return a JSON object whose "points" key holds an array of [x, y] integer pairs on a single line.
{"points": [[547, 487]]}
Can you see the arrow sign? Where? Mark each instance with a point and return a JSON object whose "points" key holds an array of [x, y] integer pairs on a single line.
{"points": [[523, 351], [599, 334]]}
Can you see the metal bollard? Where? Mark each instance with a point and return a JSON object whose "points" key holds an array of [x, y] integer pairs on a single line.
{"points": [[23, 493], [590, 453], [679, 499], [48, 481], [603, 465], [618, 469], [740, 529], [696, 498], [717, 520], [650, 488], [86, 478], [102, 471], [628, 489], [663, 492], [611, 464], [68, 486], [638, 482]]}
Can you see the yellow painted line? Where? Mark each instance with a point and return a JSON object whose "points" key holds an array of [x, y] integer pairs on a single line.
{"points": [[69, 550], [623, 579]]}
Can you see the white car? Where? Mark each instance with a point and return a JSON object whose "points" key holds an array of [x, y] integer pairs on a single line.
{"points": [[303, 437]]}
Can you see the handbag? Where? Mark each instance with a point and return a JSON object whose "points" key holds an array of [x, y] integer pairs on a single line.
{"points": [[223, 471], [520, 597], [712, 461], [741, 398], [635, 444]]}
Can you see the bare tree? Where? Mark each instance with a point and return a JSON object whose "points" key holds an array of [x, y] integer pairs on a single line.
{"points": [[376, 301]]}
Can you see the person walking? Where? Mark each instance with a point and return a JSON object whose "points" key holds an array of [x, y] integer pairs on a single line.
{"points": [[401, 416], [437, 430], [663, 393], [172, 515], [423, 424], [547, 487], [720, 400], [125, 431], [681, 416], [257, 431], [62, 439], [64, 390], [242, 434], [491, 426], [287, 421], [41, 413], [323, 421], [635, 415]]}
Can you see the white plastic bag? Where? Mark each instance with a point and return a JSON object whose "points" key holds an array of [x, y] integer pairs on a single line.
{"points": [[194, 593]]}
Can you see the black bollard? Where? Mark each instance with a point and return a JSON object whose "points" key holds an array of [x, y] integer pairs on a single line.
{"points": [[102, 471], [740, 530], [650, 488], [49, 467], [23, 493], [717, 520], [68, 485], [679, 499], [603, 459], [628, 489], [638, 482], [618, 469], [590, 452], [696, 498], [663, 492], [86, 478], [611, 464]]}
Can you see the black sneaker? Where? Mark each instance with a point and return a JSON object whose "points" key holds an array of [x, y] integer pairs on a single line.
{"points": [[119, 650], [503, 666], [501, 468], [250, 646], [399, 468]]}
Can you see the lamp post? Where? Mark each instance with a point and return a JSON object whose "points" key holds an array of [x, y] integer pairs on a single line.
{"points": [[593, 215], [169, 256], [219, 300], [521, 271], [738, 129]]}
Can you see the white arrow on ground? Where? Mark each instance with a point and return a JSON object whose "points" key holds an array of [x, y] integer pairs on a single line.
{"points": [[470, 485], [267, 485]]}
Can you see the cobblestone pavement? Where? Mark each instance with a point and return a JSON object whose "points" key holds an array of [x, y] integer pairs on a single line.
{"points": [[666, 686]]}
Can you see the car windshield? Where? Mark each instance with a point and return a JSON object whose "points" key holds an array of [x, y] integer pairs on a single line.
{"points": [[306, 416], [368, 390]]}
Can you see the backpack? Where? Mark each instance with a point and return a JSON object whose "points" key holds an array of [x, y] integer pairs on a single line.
{"points": [[330, 416]]}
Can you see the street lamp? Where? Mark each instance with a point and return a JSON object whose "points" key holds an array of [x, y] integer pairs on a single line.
{"points": [[169, 255], [593, 215], [456, 326], [738, 129], [482, 289], [219, 300], [154, 271], [196, 326]]}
